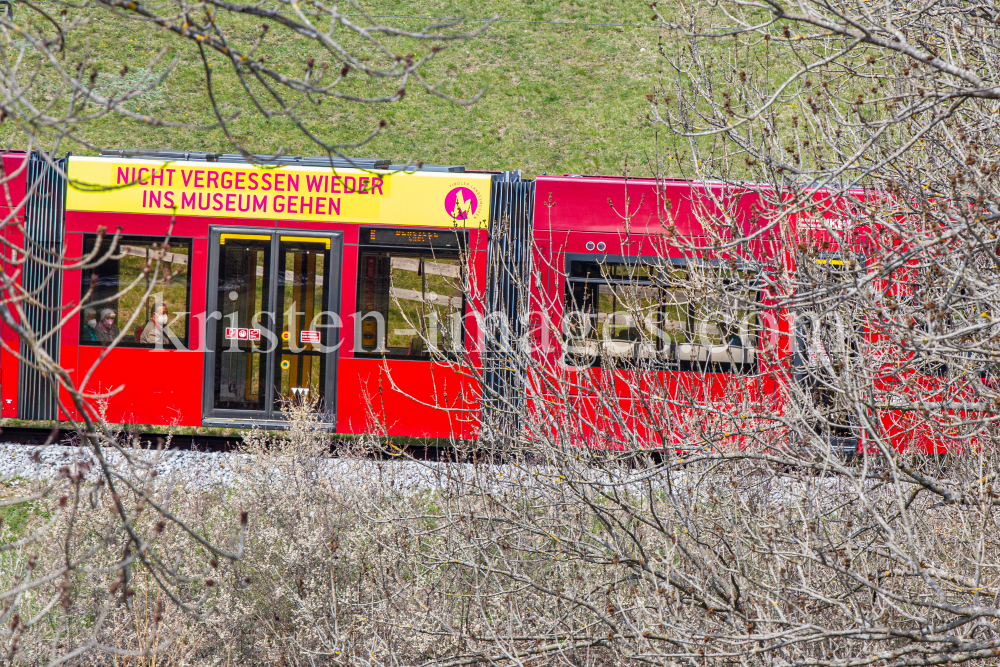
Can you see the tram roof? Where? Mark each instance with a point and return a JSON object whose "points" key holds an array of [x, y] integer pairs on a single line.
{"points": [[282, 160]]}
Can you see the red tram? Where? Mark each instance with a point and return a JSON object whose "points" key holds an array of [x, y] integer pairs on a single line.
{"points": [[294, 279]]}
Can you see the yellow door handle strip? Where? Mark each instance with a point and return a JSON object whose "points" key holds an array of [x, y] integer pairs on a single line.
{"points": [[243, 237], [307, 239]]}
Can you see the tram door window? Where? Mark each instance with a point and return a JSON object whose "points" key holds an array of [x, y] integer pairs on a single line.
{"points": [[244, 273], [305, 325]]}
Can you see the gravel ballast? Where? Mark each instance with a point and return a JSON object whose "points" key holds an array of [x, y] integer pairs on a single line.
{"points": [[195, 470], [208, 469]]}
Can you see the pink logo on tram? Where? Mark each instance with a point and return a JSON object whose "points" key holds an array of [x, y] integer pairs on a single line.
{"points": [[461, 203]]}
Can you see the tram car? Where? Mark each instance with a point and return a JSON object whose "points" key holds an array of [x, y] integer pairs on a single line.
{"points": [[304, 278]]}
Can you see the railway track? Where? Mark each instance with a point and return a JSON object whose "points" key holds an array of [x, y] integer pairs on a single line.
{"points": [[230, 443], [38, 436]]}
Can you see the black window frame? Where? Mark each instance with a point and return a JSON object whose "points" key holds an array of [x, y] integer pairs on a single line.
{"points": [[416, 243], [129, 339], [573, 275]]}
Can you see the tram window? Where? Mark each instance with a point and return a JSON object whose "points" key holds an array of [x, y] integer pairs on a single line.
{"points": [[410, 301], [667, 316], [924, 292], [119, 284]]}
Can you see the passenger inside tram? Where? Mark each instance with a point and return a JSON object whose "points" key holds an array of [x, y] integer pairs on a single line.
{"points": [[729, 335], [156, 331], [88, 332], [107, 330]]}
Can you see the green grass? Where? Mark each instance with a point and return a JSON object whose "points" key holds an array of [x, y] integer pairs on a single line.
{"points": [[559, 98], [15, 520]]}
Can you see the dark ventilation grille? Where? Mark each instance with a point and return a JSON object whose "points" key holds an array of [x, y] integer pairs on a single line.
{"points": [[43, 237], [507, 306]]}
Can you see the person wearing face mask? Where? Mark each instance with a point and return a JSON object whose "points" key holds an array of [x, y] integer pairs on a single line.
{"points": [[107, 330], [155, 332], [88, 332]]}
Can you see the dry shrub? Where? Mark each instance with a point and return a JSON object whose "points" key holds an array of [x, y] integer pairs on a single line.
{"points": [[576, 556]]}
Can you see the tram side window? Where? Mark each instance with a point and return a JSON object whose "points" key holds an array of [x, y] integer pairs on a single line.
{"points": [[410, 301], [919, 286], [118, 285], [702, 318]]}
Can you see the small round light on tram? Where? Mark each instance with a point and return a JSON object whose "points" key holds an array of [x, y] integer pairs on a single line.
{"points": [[601, 246], [590, 245]]}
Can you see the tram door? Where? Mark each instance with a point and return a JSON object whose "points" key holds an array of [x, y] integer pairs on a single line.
{"points": [[273, 324], [244, 277], [300, 371]]}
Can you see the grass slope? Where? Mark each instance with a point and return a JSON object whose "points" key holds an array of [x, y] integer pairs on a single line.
{"points": [[559, 98]]}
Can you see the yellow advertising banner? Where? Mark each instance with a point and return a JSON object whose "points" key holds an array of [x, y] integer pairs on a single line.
{"points": [[312, 194]]}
